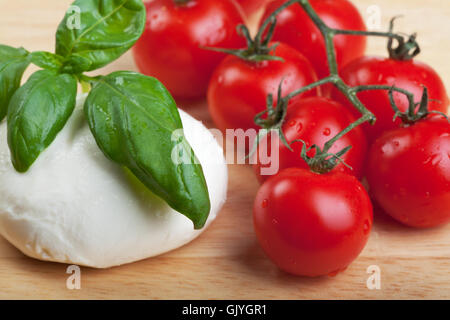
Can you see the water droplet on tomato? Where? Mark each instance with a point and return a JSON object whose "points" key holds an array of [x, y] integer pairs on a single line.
{"points": [[274, 221], [265, 203], [427, 194], [366, 227], [396, 143], [264, 64], [436, 159], [326, 132], [292, 123]]}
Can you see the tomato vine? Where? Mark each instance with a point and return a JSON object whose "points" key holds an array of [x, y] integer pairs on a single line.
{"points": [[272, 118]]}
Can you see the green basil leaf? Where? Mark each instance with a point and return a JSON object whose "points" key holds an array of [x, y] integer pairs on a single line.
{"points": [[134, 120], [37, 112], [100, 30], [13, 63], [46, 60]]}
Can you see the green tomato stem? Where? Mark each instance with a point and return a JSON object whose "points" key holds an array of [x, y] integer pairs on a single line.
{"points": [[269, 20], [334, 78], [329, 79]]}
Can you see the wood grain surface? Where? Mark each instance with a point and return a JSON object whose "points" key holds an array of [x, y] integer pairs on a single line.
{"points": [[226, 261]]}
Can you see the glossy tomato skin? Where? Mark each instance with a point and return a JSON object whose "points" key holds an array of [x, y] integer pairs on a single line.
{"points": [[409, 75], [170, 48], [311, 224], [238, 89], [409, 173], [314, 120], [295, 28]]}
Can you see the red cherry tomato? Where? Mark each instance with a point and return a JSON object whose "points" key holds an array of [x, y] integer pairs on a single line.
{"points": [[314, 120], [252, 6], [409, 75], [238, 89], [409, 173], [294, 27], [312, 224], [170, 48]]}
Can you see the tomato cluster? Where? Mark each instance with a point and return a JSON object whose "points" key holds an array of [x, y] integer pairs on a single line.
{"points": [[314, 216]]}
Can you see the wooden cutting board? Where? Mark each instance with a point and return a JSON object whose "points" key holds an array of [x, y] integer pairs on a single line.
{"points": [[226, 261]]}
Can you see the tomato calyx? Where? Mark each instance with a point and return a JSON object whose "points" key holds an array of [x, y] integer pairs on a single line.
{"points": [[259, 48], [322, 161], [405, 49], [273, 117], [272, 120], [416, 111]]}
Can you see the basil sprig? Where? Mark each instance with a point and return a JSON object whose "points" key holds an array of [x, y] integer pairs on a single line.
{"points": [[133, 118]]}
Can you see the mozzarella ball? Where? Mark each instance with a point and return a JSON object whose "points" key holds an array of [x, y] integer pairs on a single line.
{"points": [[75, 206]]}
